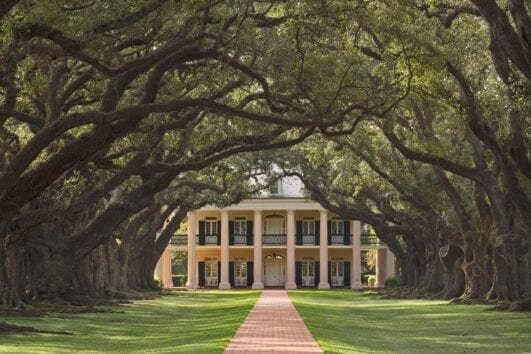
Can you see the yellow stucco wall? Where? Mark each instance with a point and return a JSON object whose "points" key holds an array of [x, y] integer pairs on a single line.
{"points": [[300, 253], [346, 254]]}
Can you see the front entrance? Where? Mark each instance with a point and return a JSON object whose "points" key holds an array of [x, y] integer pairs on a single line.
{"points": [[336, 272], [240, 273], [274, 270], [211, 274]]}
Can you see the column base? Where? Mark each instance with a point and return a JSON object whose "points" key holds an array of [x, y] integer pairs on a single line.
{"points": [[378, 285], [224, 286], [323, 286], [356, 286], [290, 286], [258, 285], [191, 286]]}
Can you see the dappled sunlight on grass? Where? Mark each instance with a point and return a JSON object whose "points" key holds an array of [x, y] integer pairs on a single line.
{"points": [[186, 322], [349, 322]]}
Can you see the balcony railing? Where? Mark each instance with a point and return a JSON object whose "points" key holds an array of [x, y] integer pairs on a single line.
{"points": [[240, 240], [207, 239], [340, 240], [274, 239], [368, 239], [337, 239], [179, 240], [211, 239], [308, 240]]}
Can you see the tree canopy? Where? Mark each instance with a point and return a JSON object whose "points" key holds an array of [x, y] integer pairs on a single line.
{"points": [[117, 117]]}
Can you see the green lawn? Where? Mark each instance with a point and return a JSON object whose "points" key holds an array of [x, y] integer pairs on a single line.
{"points": [[184, 322], [357, 322]]}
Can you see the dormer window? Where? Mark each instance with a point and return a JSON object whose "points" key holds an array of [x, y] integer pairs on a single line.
{"points": [[273, 188]]}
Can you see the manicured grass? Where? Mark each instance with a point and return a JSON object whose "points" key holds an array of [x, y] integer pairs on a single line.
{"points": [[358, 322], [183, 322]]}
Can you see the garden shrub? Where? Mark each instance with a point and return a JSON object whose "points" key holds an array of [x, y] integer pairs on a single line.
{"points": [[392, 282]]}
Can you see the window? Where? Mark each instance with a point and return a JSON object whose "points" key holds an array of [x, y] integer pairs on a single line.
{"points": [[337, 227], [308, 268], [211, 226], [308, 226], [240, 227], [273, 188], [274, 225], [211, 269], [240, 269], [337, 269]]}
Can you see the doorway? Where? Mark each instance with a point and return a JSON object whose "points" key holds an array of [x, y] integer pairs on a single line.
{"points": [[274, 270]]}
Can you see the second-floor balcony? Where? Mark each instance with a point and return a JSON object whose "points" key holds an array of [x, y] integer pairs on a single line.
{"points": [[179, 240], [340, 240], [274, 239], [306, 240], [204, 240], [241, 240]]}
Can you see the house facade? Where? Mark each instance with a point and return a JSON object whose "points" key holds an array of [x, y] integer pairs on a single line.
{"points": [[277, 239]]}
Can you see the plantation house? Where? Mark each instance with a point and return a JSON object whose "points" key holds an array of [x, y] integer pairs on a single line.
{"points": [[277, 239]]}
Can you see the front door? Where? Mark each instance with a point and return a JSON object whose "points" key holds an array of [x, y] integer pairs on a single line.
{"points": [[308, 273], [274, 271], [211, 274], [240, 273], [337, 273]]}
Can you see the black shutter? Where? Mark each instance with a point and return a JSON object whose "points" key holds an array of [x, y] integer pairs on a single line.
{"points": [[231, 232], [231, 273], [317, 273], [201, 273], [250, 233], [346, 274], [219, 233], [201, 232], [298, 273], [346, 230], [219, 272], [250, 274], [299, 233], [317, 232], [330, 273]]}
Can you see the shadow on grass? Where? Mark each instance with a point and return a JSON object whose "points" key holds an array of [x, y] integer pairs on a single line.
{"points": [[191, 322], [347, 321]]}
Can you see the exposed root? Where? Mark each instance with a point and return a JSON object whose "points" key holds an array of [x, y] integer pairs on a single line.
{"points": [[17, 312], [522, 305], [468, 301], [6, 328]]}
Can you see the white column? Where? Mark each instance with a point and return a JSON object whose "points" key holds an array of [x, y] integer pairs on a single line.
{"points": [[224, 284], [381, 257], [390, 264], [355, 270], [258, 263], [191, 283], [166, 278], [290, 250], [323, 251]]}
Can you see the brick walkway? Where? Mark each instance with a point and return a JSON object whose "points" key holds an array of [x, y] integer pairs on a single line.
{"points": [[273, 325]]}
